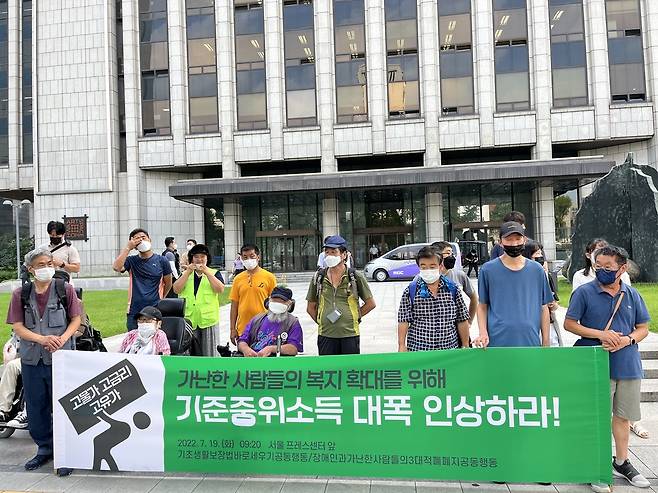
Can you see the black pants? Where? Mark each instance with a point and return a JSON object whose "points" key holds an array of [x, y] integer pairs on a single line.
{"points": [[471, 267], [338, 345], [38, 385]]}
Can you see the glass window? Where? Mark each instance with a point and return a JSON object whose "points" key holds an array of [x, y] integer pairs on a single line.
{"points": [[155, 117], [348, 13], [625, 51], [511, 55], [250, 65], [4, 95], [568, 53], [402, 58], [299, 49], [202, 66], [152, 31]]}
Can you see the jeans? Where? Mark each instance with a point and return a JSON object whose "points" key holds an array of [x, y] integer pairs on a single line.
{"points": [[38, 386]]}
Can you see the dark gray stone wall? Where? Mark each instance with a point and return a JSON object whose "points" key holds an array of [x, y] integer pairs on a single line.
{"points": [[623, 209]]}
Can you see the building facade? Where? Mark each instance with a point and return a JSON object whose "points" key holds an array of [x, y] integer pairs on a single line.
{"points": [[279, 122]]}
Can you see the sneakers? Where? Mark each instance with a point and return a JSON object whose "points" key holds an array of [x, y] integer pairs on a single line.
{"points": [[628, 472], [19, 422], [37, 461], [600, 488], [4, 417]]}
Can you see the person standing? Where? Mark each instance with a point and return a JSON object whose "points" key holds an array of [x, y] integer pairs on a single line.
{"points": [[249, 291], [473, 262], [587, 274], [171, 255], [374, 251], [238, 266], [513, 216], [333, 301], [188, 246], [201, 286], [609, 312], [458, 276], [150, 274], [44, 314], [514, 296], [65, 256], [432, 314]]}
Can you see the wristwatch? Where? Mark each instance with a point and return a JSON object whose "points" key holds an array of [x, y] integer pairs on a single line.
{"points": [[632, 340]]}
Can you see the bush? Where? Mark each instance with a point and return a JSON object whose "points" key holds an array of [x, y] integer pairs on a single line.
{"points": [[8, 251], [7, 275]]}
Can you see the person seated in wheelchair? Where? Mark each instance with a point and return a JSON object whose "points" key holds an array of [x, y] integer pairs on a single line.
{"points": [[275, 332], [12, 412], [148, 337]]}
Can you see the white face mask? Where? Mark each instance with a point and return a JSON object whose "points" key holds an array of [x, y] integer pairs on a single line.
{"points": [[430, 276], [189, 246], [332, 260], [146, 330], [144, 246], [44, 274], [250, 263], [277, 308]]}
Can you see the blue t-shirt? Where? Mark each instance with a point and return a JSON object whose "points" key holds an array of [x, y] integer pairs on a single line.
{"points": [[515, 300], [146, 275], [592, 307]]}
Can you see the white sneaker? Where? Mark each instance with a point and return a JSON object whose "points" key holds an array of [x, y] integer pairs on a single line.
{"points": [[19, 422], [601, 488]]}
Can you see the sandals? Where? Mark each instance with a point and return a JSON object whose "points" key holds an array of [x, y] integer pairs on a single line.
{"points": [[639, 430]]}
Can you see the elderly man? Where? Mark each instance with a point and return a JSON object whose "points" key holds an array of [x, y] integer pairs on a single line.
{"points": [[275, 332], [45, 314]]}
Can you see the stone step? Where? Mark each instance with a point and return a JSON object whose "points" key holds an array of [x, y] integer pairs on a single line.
{"points": [[650, 367], [649, 391], [649, 351]]}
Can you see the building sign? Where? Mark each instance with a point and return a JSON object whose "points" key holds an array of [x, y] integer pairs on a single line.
{"points": [[76, 227], [515, 415]]}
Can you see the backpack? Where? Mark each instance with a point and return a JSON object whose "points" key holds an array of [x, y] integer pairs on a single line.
{"points": [[60, 290], [452, 287], [322, 273], [257, 321], [90, 339]]}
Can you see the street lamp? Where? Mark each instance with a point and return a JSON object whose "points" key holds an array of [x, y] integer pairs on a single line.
{"points": [[16, 205]]}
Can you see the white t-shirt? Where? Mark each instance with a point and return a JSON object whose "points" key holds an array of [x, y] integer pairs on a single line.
{"points": [[579, 278]]}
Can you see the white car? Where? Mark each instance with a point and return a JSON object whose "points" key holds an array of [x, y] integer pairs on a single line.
{"points": [[400, 263]]}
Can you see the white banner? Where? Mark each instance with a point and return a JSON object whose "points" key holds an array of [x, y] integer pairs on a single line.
{"points": [[107, 411]]}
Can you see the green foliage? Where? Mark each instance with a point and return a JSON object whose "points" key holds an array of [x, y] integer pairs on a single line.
{"points": [[8, 252], [562, 205]]}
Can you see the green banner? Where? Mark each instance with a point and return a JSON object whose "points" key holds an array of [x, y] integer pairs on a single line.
{"points": [[516, 415]]}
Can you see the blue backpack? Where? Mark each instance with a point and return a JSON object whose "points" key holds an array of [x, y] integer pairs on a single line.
{"points": [[452, 287]]}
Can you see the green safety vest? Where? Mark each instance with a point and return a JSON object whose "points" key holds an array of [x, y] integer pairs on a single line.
{"points": [[203, 309]]}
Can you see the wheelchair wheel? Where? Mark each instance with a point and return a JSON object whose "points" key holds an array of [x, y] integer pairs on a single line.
{"points": [[6, 432]]}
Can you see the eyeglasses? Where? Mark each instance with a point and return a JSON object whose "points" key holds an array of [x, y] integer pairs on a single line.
{"points": [[605, 269]]}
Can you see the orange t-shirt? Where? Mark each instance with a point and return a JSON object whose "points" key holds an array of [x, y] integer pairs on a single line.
{"points": [[250, 291]]}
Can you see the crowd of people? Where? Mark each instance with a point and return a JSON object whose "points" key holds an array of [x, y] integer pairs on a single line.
{"points": [[514, 306]]}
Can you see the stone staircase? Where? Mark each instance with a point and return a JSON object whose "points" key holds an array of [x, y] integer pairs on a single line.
{"points": [[649, 353]]}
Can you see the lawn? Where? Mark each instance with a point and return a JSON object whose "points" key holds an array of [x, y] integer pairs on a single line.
{"points": [[106, 309], [649, 292]]}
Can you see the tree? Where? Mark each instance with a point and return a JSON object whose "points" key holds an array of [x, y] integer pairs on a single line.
{"points": [[563, 205]]}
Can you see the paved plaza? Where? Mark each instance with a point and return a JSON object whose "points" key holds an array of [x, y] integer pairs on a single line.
{"points": [[379, 334]]}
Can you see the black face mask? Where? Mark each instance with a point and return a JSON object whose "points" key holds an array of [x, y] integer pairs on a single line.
{"points": [[514, 251], [449, 262], [55, 240], [541, 260]]}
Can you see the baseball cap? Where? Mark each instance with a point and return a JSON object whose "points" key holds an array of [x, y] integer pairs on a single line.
{"points": [[510, 228], [335, 241], [150, 312], [281, 292]]}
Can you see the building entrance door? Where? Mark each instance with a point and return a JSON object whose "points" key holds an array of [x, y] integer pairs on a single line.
{"points": [[289, 250]]}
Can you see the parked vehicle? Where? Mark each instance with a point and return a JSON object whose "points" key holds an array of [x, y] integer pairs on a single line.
{"points": [[400, 263]]}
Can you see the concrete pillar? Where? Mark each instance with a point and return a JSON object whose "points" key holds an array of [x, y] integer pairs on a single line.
{"points": [[324, 68], [483, 75], [273, 13], [429, 57], [178, 108], [232, 231], [650, 27], [225, 92], [434, 215], [376, 53], [544, 215], [540, 49], [597, 44], [330, 224]]}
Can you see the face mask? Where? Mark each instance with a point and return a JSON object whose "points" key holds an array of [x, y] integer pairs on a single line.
{"points": [[449, 262], [250, 263], [277, 308], [332, 260], [55, 240], [430, 276], [44, 274], [541, 260], [514, 251], [146, 330], [189, 246], [606, 277], [144, 246]]}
